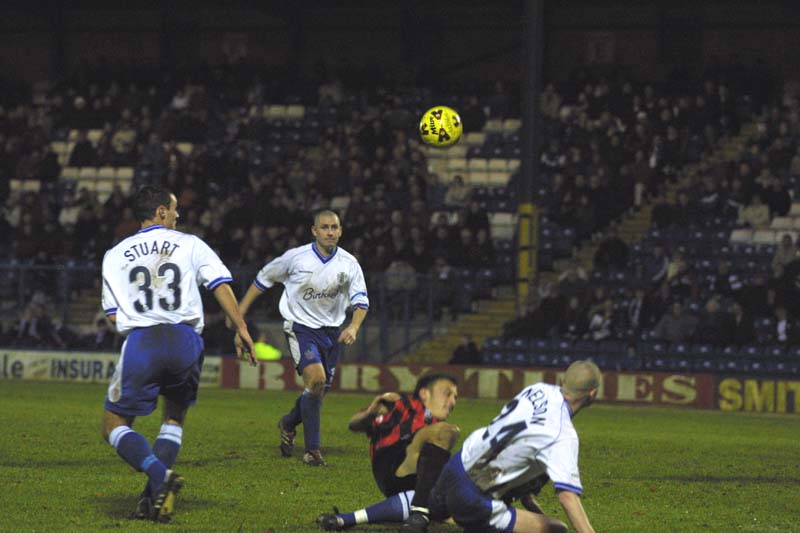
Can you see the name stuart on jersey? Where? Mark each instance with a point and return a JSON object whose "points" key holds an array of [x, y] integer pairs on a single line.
{"points": [[142, 249]]}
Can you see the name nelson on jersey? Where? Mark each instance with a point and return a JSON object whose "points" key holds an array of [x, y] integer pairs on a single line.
{"points": [[141, 249]]}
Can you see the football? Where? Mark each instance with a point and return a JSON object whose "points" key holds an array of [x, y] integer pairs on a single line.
{"points": [[440, 126]]}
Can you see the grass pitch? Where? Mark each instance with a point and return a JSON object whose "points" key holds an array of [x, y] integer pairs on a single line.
{"points": [[643, 469]]}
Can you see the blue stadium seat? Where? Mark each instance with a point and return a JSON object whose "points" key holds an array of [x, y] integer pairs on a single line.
{"points": [[517, 344], [776, 352], [540, 346], [493, 343]]}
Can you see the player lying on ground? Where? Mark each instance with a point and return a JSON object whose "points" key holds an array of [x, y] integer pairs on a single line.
{"points": [[533, 435], [410, 442]]}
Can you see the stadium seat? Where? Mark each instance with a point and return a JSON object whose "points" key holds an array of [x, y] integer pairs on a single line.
{"points": [[432, 152], [493, 343], [499, 179], [782, 223], [106, 173], [124, 173], [742, 235], [295, 111], [458, 150], [87, 173], [478, 164], [340, 203], [795, 210], [458, 164], [513, 165], [477, 177], [511, 124], [70, 173], [72, 136], [496, 164], [502, 225], [763, 236], [185, 148], [275, 112], [94, 136], [475, 138]]}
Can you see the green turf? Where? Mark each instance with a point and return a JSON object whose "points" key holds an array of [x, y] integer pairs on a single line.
{"points": [[643, 469]]}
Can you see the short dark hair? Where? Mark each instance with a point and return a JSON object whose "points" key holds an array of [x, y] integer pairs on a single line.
{"points": [[323, 212], [427, 381], [147, 200]]}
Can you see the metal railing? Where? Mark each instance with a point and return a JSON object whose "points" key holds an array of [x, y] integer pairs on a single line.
{"points": [[404, 308]]}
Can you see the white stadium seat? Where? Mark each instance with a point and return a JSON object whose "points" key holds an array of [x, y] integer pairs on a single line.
{"points": [[496, 164], [478, 164], [764, 236], [782, 223], [742, 235]]}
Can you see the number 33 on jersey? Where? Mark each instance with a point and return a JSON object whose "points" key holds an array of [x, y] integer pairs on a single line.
{"points": [[147, 281]]}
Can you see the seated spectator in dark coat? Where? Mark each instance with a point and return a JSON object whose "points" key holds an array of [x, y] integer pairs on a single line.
{"points": [[103, 338], [655, 266], [786, 327], [738, 326], [778, 199], [685, 214], [754, 297], [476, 217], [466, 353], [675, 325], [572, 282], [573, 323], [711, 324]]}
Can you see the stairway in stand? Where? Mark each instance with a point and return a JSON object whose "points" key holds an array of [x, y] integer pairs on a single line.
{"points": [[491, 315]]}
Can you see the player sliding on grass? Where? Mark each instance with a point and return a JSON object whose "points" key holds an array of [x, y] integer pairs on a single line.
{"points": [[321, 281], [533, 435], [150, 290], [410, 442]]}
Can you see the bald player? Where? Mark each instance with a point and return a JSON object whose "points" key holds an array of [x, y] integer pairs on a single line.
{"points": [[533, 436]]}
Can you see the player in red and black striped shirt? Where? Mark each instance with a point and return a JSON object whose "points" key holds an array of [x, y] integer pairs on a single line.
{"points": [[410, 441]]}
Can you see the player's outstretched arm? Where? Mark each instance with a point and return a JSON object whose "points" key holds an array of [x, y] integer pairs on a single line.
{"points": [[379, 406], [227, 301], [572, 505], [350, 333], [250, 296]]}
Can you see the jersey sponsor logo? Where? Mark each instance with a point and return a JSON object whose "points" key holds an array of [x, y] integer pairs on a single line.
{"points": [[311, 294], [309, 354]]}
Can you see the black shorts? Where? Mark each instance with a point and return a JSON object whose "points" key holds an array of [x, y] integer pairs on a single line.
{"points": [[384, 465]]}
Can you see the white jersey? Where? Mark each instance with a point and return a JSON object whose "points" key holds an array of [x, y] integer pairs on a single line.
{"points": [[318, 290], [153, 277], [532, 435]]}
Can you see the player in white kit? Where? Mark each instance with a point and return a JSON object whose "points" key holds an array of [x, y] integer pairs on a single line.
{"points": [[321, 281], [532, 436], [151, 291]]}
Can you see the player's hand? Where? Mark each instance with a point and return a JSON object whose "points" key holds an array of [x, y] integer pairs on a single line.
{"points": [[244, 346], [228, 323], [383, 402], [348, 335], [530, 503]]}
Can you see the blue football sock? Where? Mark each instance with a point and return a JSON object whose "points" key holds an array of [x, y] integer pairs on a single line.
{"points": [[392, 509], [310, 407], [295, 416], [166, 447], [135, 450]]}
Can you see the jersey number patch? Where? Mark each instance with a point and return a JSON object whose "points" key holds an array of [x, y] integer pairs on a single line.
{"points": [[144, 283]]}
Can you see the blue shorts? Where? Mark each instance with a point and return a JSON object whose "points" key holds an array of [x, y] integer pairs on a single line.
{"points": [[314, 345], [456, 495], [164, 359]]}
